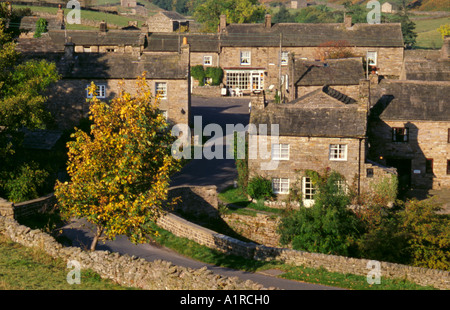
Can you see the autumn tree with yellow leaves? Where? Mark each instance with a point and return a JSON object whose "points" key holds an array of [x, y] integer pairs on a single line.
{"points": [[119, 172]]}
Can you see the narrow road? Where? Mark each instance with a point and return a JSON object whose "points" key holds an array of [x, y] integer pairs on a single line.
{"points": [[219, 172]]}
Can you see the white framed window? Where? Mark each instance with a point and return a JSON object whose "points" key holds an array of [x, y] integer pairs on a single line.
{"points": [[245, 79], [342, 186], [207, 60], [161, 90], [284, 58], [100, 91], [86, 49], [246, 57], [308, 191], [280, 185], [338, 152], [280, 151], [372, 58]]}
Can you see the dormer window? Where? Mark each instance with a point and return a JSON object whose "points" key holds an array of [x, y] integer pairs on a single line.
{"points": [[400, 134]]}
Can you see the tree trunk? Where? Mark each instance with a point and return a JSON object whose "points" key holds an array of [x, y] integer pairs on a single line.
{"points": [[96, 238]]}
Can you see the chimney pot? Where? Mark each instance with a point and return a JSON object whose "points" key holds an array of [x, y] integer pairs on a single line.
{"points": [[103, 26], [347, 21], [445, 50], [268, 21], [223, 23]]}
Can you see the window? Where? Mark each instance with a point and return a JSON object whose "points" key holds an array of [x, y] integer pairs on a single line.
{"points": [[448, 166], [161, 90], [280, 186], [245, 79], [338, 152], [284, 58], [100, 92], [372, 58], [245, 58], [400, 134], [280, 151], [429, 165], [342, 186], [86, 49], [110, 50], [207, 60], [308, 191], [369, 172]]}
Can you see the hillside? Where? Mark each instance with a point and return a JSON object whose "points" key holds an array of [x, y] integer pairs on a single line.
{"points": [[418, 5]]}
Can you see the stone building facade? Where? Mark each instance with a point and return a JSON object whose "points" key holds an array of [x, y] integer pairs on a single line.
{"points": [[410, 130], [168, 21], [323, 130], [166, 74]]}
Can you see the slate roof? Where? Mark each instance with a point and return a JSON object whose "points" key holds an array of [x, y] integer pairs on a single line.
{"points": [[309, 35], [125, 66], [425, 65], [332, 72], [316, 114], [411, 100], [95, 37], [170, 42]]}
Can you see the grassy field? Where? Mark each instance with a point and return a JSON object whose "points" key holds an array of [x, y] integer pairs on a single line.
{"points": [[23, 268], [427, 34], [111, 19]]}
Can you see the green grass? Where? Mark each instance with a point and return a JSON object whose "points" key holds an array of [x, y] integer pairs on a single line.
{"points": [[111, 19], [204, 254], [427, 34], [23, 268]]}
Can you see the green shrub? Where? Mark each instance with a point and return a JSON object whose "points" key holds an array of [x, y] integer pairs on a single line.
{"points": [[215, 73], [198, 73], [25, 183], [259, 188], [41, 27]]}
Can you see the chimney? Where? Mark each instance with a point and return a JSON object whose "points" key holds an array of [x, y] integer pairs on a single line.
{"points": [[364, 95], [268, 21], [60, 17], [69, 48], [445, 50], [222, 23], [347, 21], [103, 26]]}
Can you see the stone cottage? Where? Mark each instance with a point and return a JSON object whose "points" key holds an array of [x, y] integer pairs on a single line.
{"points": [[110, 59], [168, 21], [409, 129], [255, 57], [324, 129]]}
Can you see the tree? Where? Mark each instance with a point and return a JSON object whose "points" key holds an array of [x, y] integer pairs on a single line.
{"points": [[119, 173], [22, 105], [237, 11], [444, 30]]}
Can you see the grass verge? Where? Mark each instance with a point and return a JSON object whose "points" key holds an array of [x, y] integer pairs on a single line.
{"points": [[23, 268]]}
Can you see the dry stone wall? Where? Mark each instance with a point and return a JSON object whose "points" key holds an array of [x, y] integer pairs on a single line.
{"points": [[123, 269]]}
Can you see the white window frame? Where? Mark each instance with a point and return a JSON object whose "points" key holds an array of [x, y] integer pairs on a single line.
{"points": [[100, 90], [207, 60], [308, 192], [338, 152], [280, 185], [372, 58], [284, 58], [245, 79], [245, 58], [280, 151], [161, 92]]}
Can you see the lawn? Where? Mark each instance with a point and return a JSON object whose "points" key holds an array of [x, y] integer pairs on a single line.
{"points": [[427, 34], [23, 268]]}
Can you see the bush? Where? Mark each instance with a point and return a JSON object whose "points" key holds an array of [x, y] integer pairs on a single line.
{"points": [[259, 188], [41, 27], [198, 73], [215, 73], [25, 183]]}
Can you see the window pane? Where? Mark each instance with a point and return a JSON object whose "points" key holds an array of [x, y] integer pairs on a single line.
{"points": [[161, 89]]}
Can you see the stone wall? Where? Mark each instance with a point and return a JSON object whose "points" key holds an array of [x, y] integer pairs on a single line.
{"points": [[195, 200], [123, 269], [182, 228], [73, 93], [26, 208], [427, 140]]}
